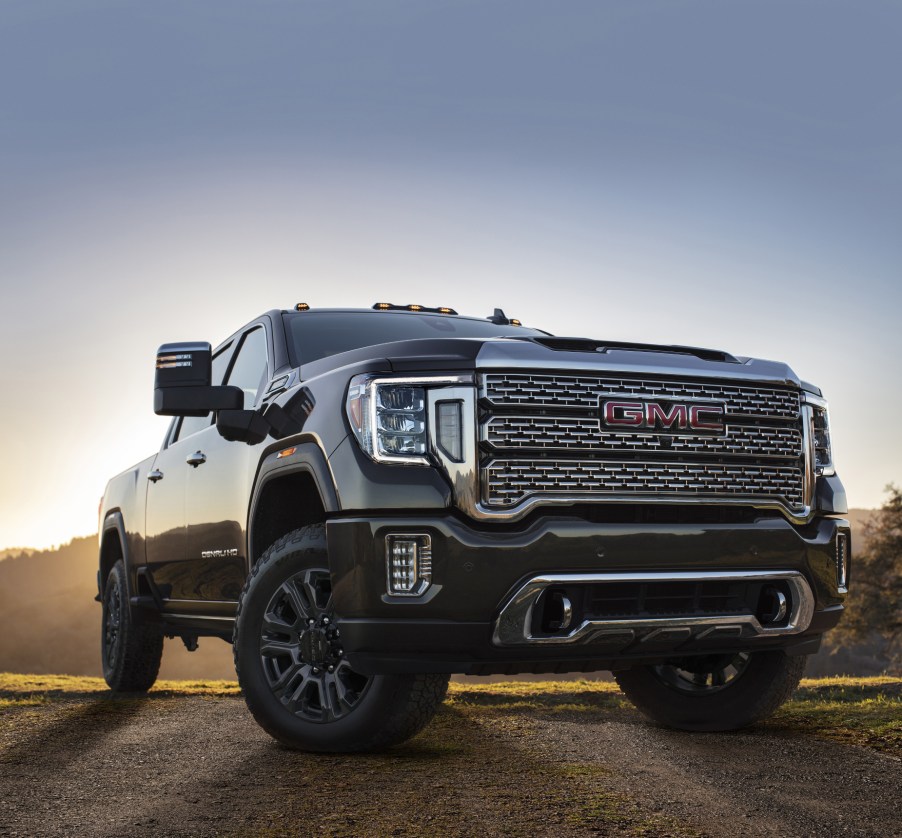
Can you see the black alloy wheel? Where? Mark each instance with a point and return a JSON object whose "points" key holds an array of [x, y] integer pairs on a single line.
{"points": [[301, 653], [703, 675], [112, 624]]}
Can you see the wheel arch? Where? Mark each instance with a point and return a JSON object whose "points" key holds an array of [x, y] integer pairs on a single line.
{"points": [[113, 546], [289, 496]]}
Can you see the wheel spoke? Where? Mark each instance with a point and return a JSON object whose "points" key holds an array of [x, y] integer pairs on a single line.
{"points": [[276, 625], [327, 698], [285, 680], [277, 648], [313, 593], [297, 694], [289, 589], [341, 690]]}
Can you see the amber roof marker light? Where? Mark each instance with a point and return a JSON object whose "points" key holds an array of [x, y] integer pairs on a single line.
{"points": [[302, 307], [414, 307]]}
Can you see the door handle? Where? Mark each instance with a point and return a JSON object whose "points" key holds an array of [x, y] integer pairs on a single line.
{"points": [[196, 459], [155, 475]]}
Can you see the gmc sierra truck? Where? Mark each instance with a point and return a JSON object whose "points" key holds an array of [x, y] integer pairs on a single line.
{"points": [[364, 502]]}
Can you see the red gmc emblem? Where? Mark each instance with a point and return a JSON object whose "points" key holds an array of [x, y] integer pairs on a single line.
{"points": [[674, 416]]}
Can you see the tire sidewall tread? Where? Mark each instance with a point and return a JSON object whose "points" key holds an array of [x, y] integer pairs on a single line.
{"points": [[768, 681], [140, 653], [394, 707]]}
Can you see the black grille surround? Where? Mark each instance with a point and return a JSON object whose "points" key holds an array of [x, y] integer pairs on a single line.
{"points": [[541, 438]]}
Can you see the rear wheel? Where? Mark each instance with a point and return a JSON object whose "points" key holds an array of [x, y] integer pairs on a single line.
{"points": [[713, 692], [131, 652], [296, 680]]}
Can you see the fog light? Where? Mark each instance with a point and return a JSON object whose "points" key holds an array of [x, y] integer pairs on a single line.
{"points": [[408, 560], [842, 561]]}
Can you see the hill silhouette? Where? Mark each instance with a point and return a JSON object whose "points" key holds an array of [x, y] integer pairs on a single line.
{"points": [[50, 624]]}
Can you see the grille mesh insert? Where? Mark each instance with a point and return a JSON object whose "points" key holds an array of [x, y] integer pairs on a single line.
{"points": [[542, 390], [519, 432], [510, 481]]}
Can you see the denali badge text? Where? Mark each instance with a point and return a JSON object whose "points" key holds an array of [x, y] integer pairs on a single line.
{"points": [[674, 416], [218, 554]]}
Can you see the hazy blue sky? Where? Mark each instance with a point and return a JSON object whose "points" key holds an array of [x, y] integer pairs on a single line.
{"points": [[716, 173]]}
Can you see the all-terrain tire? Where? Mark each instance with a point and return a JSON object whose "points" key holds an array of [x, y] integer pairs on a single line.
{"points": [[767, 681], [131, 652], [384, 710]]}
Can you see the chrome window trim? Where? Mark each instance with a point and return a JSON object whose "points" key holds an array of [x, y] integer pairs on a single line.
{"points": [[512, 626]]}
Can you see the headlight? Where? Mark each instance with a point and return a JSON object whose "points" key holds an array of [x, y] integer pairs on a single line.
{"points": [[821, 447], [389, 418]]}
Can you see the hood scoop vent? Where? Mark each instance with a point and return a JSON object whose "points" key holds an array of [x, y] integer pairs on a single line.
{"points": [[587, 345]]}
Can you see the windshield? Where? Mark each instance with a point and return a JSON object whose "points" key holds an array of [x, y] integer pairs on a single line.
{"points": [[314, 335]]}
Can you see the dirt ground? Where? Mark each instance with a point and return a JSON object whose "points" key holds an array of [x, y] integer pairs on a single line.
{"points": [[494, 762]]}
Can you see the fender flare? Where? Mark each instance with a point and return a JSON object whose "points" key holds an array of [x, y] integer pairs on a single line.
{"points": [[310, 459], [115, 521]]}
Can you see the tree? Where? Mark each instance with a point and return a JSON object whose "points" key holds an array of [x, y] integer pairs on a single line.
{"points": [[874, 604]]}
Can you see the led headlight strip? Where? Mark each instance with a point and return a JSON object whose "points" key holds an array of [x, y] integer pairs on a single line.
{"points": [[389, 416], [821, 446]]}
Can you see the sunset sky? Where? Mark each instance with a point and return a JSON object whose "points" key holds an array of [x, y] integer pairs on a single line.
{"points": [[710, 173]]}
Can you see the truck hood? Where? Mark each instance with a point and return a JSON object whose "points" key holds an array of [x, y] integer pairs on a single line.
{"points": [[580, 355], [555, 353]]}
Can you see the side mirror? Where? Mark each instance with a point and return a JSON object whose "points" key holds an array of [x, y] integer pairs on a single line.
{"points": [[182, 382]]}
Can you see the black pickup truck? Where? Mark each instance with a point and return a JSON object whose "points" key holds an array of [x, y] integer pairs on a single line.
{"points": [[366, 501]]}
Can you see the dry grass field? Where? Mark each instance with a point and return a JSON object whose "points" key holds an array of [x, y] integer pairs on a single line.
{"points": [[508, 758]]}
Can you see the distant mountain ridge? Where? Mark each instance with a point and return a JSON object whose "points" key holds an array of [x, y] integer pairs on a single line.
{"points": [[50, 624], [15, 551]]}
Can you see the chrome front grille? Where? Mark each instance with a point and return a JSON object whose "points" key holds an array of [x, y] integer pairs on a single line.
{"points": [[541, 440], [542, 390]]}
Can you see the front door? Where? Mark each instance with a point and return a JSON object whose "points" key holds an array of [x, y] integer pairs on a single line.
{"points": [[217, 489], [166, 549]]}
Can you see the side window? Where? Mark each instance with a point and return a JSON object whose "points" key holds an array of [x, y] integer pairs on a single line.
{"points": [[192, 424], [249, 369]]}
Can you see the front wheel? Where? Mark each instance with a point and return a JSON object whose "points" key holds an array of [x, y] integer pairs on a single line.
{"points": [[293, 672], [713, 692]]}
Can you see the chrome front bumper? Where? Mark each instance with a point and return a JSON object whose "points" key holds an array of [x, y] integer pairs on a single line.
{"points": [[514, 624]]}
